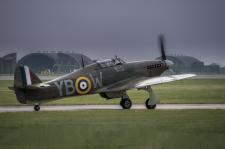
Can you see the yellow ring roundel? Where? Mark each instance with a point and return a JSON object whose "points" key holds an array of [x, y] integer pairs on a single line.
{"points": [[83, 85]]}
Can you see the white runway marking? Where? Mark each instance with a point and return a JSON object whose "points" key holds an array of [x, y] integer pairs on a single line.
{"points": [[110, 107]]}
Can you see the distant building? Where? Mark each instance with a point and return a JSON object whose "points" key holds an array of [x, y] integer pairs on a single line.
{"points": [[8, 64], [54, 62], [1, 65], [222, 70], [186, 64], [213, 68], [47, 63]]}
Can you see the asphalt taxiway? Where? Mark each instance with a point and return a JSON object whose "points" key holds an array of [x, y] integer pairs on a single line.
{"points": [[109, 107]]}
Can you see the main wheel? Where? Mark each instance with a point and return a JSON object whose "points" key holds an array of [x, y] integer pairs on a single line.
{"points": [[149, 106], [126, 103], [36, 107]]}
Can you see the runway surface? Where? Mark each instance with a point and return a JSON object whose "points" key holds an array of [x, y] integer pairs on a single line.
{"points": [[110, 107]]}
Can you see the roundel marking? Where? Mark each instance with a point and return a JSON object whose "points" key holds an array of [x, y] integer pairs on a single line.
{"points": [[83, 85]]}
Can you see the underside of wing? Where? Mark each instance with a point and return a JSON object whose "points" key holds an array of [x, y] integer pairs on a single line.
{"points": [[126, 84], [164, 79]]}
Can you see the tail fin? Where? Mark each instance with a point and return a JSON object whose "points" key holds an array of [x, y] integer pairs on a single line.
{"points": [[24, 77]]}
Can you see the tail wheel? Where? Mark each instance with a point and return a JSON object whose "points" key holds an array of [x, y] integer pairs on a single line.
{"points": [[149, 106], [126, 103], [36, 107]]}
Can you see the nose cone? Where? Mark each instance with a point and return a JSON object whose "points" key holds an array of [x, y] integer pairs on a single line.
{"points": [[169, 63]]}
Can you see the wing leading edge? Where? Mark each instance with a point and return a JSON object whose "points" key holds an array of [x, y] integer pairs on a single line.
{"points": [[164, 79]]}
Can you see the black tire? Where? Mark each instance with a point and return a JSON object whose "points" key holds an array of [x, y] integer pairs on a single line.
{"points": [[126, 103], [36, 107], [149, 106]]}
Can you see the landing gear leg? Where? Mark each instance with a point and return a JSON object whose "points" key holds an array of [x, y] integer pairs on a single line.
{"points": [[125, 102], [36, 107], [151, 102]]}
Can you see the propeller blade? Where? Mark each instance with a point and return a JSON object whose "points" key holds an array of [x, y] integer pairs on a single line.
{"points": [[162, 46]]}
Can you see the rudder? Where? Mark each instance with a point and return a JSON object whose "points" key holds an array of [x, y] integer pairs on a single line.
{"points": [[23, 77]]}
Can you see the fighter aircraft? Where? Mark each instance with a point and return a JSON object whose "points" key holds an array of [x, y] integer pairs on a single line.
{"points": [[110, 78]]}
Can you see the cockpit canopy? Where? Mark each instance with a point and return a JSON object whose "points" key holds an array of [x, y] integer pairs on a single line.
{"points": [[111, 62]]}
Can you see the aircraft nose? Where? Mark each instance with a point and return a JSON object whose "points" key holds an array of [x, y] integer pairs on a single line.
{"points": [[169, 63]]}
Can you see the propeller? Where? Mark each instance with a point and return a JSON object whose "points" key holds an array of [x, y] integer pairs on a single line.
{"points": [[163, 53], [162, 46]]}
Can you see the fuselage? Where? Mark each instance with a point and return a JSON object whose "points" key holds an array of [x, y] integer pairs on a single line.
{"points": [[96, 78]]}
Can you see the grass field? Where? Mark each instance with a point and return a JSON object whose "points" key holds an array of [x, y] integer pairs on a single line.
{"points": [[181, 129], [159, 129], [184, 91]]}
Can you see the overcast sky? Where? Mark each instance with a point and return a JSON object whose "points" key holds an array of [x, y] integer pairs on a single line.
{"points": [[102, 28]]}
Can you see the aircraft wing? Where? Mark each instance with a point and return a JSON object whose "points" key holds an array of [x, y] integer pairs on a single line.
{"points": [[162, 79]]}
